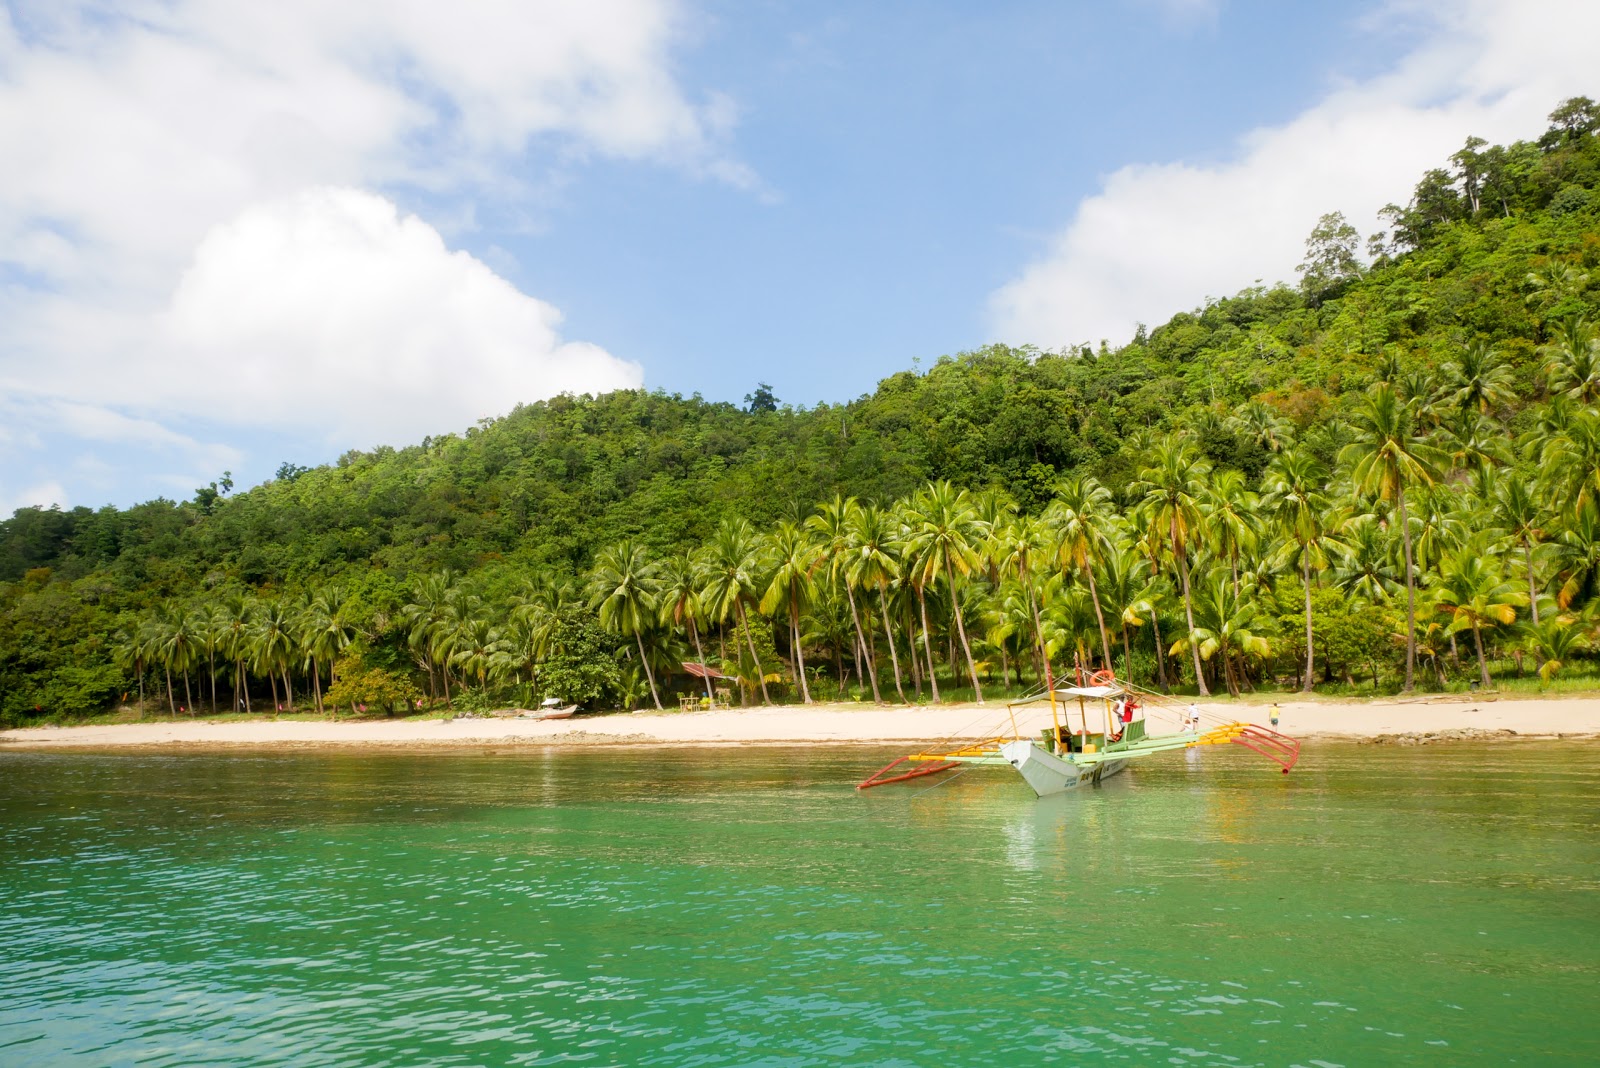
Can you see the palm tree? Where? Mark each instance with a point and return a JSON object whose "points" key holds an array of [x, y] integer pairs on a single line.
{"points": [[424, 613], [1517, 507], [832, 525], [623, 587], [732, 566], [480, 647], [1231, 522], [1471, 588], [1385, 458], [325, 633], [1171, 486], [944, 528], [1294, 482], [1577, 551], [1225, 626], [237, 619], [1079, 516], [1478, 378], [1131, 592], [794, 557], [1365, 567], [1572, 360], [1261, 424], [272, 647], [871, 565], [1555, 642], [679, 594], [1024, 545], [1569, 461]]}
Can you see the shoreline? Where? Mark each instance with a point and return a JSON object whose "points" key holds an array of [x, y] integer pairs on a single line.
{"points": [[1415, 720]]}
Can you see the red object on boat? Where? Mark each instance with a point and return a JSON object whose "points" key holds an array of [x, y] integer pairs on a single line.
{"points": [[928, 769], [1279, 748]]}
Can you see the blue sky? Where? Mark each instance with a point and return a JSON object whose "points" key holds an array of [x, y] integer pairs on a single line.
{"points": [[238, 234]]}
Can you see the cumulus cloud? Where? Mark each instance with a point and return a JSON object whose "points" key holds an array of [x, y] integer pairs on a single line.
{"points": [[198, 217], [1159, 238], [332, 311]]}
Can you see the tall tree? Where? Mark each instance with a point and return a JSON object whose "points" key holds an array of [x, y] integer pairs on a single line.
{"points": [[793, 556], [1080, 515], [1385, 458], [944, 530], [622, 586], [872, 565], [831, 525], [1294, 482], [733, 577], [1171, 486]]}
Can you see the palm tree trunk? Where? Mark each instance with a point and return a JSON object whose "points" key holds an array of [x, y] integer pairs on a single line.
{"points": [[1127, 654], [916, 661], [1099, 617], [961, 629], [1161, 654], [694, 632], [138, 665], [172, 706], [888, 632], [316, 686], [1483, 665], [1533, 594], [211, 664], [288, 691], [1188, 612], [1038, 638], [272, 681], [799, 654], [1411, 593], [648, 674], [927, 647], [872, 667], [755, 657], [1305, 573]]}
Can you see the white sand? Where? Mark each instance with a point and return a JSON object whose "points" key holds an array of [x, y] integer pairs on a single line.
{"points": [[838, 724]]}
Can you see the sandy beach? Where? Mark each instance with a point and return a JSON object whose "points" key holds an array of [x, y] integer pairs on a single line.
{"points": [[823, 724]]}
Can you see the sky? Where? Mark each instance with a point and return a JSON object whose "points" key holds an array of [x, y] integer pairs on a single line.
{"points": [[236, 234]]}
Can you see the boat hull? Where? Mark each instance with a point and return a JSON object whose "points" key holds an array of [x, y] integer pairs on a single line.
{"points": [[1049, 774]]}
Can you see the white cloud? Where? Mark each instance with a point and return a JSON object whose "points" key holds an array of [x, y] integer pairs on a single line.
{"points": [[182, 220], [1160, 238], [331, 312]]}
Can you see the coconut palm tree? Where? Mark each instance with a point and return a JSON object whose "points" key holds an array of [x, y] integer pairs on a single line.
{"points": [[872, 564], [1131, 594], [271, 644], [1477, 379], [1569, 460], [793, 556], [1577, 553], [1171, 487], [732, 571], [1080, 516], [945, 531], [1294, 482], [480, 647], [1025, 547], [1385, 458], [1232, 525], [831, 525], [1365, 566], [679, 594], [1572, 360], [1226, 626], [1555, 643], [424, 614], [325, 633], [1471, 588], [1522, 518], [622, 586], [236, 616]]}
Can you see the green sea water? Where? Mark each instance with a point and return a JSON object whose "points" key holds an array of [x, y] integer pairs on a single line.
{"points": [[1380, 906]]}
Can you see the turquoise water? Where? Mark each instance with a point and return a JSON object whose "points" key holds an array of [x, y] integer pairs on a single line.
{"points": [[747, 907]]}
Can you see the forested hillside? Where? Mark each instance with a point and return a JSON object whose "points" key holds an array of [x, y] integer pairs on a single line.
{"points": [[1392, 463]]}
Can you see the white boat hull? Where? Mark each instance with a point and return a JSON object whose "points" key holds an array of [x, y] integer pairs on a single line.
{"points": [[1049, 774]]}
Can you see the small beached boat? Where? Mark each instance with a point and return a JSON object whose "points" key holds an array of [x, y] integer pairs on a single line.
{"points": [[1112, 732]]}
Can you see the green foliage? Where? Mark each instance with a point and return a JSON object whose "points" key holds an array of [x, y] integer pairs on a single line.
{"points": [[1464, 353], [582, 667], [369, 689]]}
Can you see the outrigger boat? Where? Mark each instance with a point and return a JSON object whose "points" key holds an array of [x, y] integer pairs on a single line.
{"points": [[1061, 758]]}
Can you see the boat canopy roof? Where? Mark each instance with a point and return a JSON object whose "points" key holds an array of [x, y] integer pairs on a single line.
{"points": [[1062, 692]]}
